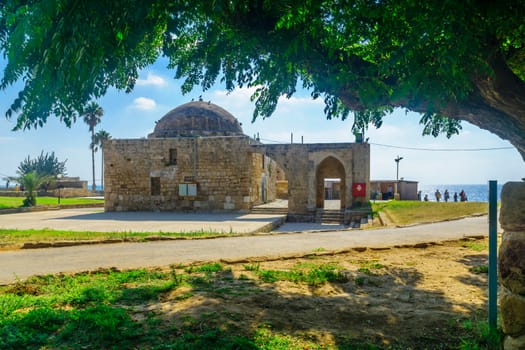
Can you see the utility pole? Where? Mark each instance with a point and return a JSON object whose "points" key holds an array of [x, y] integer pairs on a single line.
{"points": [[397, 160]]}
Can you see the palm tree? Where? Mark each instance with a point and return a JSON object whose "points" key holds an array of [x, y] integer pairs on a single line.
{"points": [[92, 115], [100, 137], [31, 182]]}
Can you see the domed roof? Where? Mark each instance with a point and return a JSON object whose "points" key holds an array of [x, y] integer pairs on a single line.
{"points": [[197, 119]]}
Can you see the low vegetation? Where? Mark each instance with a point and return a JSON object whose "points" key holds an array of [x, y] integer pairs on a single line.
{"points": [[15, 202], [411, 212], [12, 238], [211, 306]]}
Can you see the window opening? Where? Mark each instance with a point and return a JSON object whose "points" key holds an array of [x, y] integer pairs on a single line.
{"points": [[155, 186], [173, 156]]}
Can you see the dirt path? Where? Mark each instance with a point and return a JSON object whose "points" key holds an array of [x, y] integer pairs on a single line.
{"points": [[401, 298]]}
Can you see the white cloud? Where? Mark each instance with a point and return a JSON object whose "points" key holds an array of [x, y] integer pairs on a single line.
{"points": [[152, 80], [144, 104]]}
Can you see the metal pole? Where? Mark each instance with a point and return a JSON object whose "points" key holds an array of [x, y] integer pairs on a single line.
{"points": [[397, 160], [493, 251]]}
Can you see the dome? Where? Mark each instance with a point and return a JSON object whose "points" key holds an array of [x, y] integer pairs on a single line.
{"points": [[197, 119]]}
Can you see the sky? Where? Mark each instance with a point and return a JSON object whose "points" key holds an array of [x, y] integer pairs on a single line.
{"points": [[462, 159]]}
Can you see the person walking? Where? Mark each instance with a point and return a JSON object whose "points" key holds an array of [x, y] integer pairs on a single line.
{"points": [[446, 195], [438, 195]]}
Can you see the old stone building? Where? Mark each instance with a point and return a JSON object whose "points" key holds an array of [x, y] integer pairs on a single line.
{"points": [[198, 159]]}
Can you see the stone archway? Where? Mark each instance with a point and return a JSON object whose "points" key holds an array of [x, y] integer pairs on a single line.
{"points": [[330, 167]]}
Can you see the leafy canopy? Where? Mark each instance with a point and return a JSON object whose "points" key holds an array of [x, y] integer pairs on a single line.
{"points": [[363, 56], [44, 165]]}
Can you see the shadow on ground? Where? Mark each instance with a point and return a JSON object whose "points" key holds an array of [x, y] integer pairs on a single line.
{"points": [[395, 299]]}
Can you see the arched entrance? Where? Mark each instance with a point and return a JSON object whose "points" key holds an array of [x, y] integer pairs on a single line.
{"points": [[330, 182]]}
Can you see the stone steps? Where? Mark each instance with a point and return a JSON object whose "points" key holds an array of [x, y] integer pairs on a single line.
{"points": [[327, 216], [269, 211]]}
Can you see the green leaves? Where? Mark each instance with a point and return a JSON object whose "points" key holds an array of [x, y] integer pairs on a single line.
{"points": [[68, 53], [362, 56], [45, 164], [435, 124]]}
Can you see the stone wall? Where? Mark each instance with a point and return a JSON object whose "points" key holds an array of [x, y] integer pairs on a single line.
{"points": [[300, 163], [69, 192], [282, 189], [511, 265], [227, 175]]}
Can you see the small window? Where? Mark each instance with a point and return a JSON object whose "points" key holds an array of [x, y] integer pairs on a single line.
{"points": [[155, 186], [173, 156], [187, 190]]}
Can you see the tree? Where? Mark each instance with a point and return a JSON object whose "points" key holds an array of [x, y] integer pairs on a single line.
{"points": [[92, 115], [100, 137], [448, 60], [31, 182], [45, 164]]}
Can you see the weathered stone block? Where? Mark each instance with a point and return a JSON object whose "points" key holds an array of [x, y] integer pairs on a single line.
{"points": [[512, 214], [511, 262], [513, 307], [512, 343]]}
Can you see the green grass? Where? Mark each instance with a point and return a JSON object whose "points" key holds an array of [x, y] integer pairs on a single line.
{"points": [[208, 268], [480, 336], [477, 246], [479, 269], [98, 311], [15, 202], [411, 212], [15, 238], [310, 274], [368, 267]]}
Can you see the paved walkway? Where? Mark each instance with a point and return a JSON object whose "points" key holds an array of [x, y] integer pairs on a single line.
{"points": [[95, 219], [24, 263]]}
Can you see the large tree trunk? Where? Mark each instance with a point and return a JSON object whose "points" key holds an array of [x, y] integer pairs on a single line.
{"points": [[496, 104]]}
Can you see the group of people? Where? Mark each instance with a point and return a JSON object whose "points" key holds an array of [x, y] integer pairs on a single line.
{"points": [[446, 196]]}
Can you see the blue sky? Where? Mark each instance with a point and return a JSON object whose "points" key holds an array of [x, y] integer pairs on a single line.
{"points": [[134, 115]]}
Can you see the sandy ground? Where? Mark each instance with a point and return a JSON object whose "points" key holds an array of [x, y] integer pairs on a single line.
{"points": [[403, 298]]}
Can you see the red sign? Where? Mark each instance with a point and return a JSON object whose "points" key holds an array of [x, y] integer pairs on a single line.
{"points": [[358, 189]]}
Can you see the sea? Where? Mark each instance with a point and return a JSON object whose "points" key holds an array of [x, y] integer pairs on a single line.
{"points": [[475, 193]]}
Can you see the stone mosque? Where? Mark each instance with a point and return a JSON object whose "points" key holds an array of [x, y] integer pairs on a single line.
{"points": [[198, 159]]}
